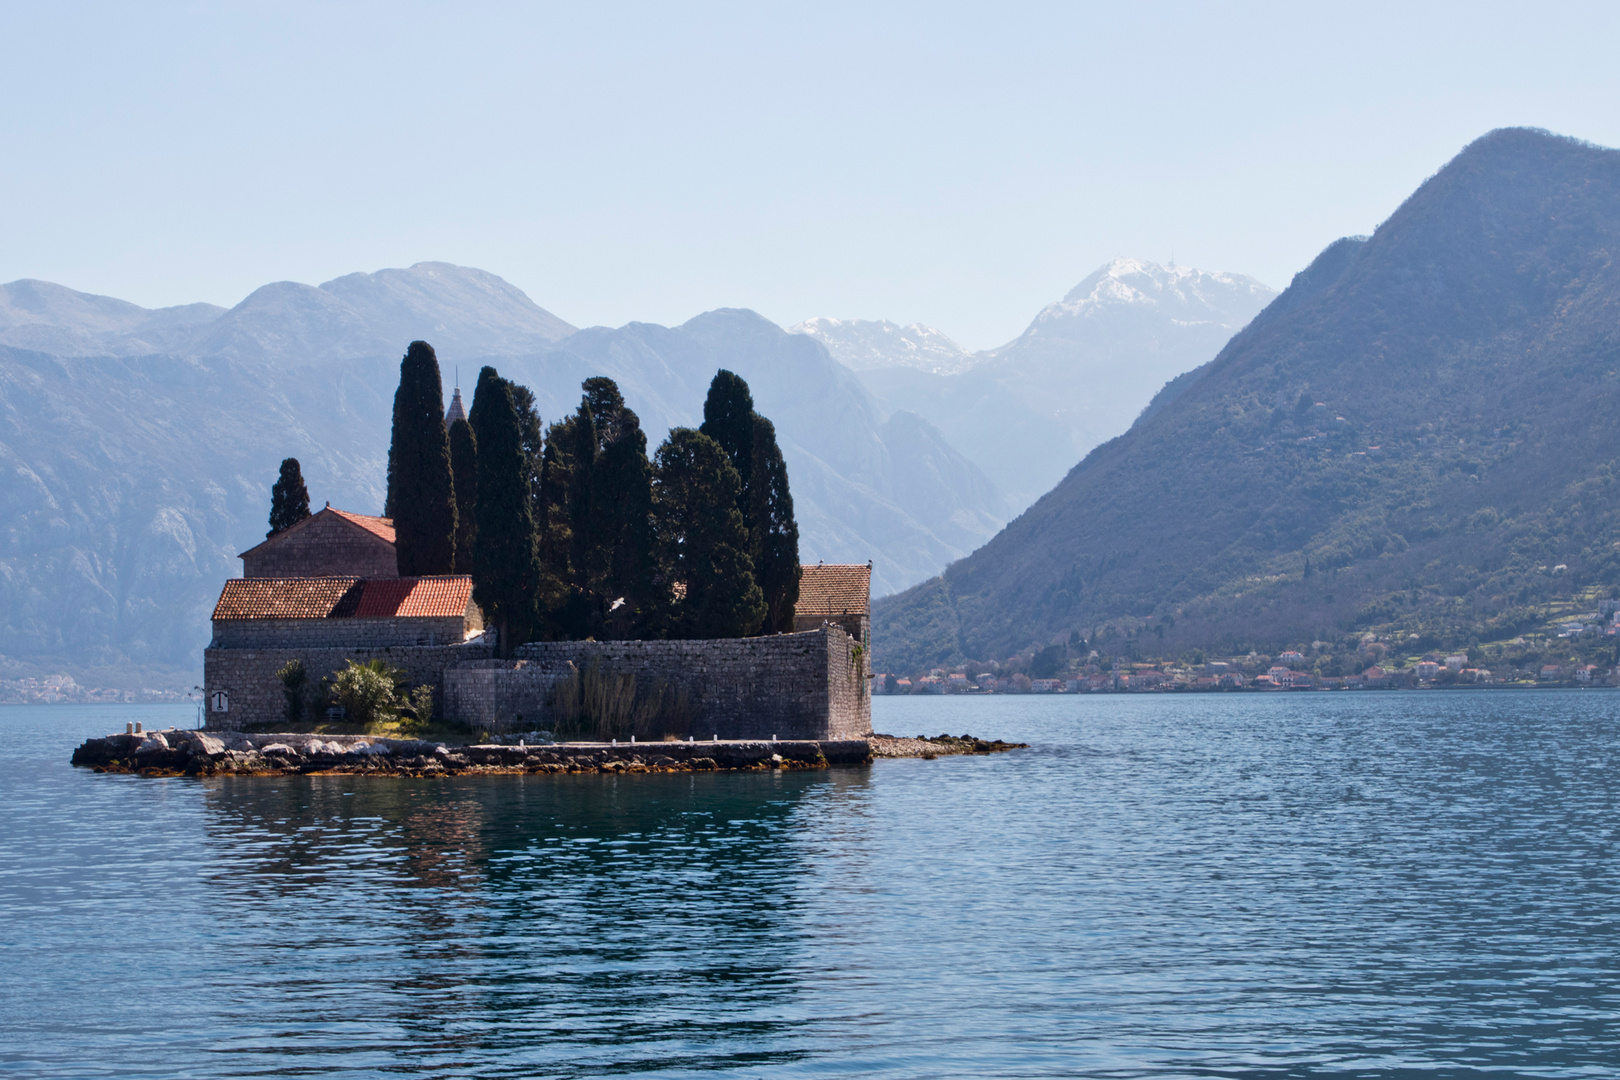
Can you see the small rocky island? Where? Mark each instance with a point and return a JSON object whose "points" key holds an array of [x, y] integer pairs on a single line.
{"points": [[182, 752], [648, 615]]}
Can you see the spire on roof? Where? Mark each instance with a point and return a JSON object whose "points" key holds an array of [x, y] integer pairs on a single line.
{"points": [[455, 411]]}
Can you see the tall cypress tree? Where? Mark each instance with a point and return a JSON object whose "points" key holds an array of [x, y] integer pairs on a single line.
{"points": [[507, 576], [621, 568], [773, 534], [728, 419], [703, 539], [421, 492], [289, 498], [533, 440], [464, 471]]}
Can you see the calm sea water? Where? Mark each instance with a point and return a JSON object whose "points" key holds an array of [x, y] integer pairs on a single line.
{"points": [[1382, 884]]}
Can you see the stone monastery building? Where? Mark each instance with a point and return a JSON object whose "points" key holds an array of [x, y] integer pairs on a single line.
{"points": [[328, 590]]}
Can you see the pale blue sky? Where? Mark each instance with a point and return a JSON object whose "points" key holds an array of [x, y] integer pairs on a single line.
{"points": [[955, 165]]}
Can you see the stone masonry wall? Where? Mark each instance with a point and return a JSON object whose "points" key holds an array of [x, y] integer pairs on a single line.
{"points": [[248, 676], [335, 633], [794, 686], [329, 547]]}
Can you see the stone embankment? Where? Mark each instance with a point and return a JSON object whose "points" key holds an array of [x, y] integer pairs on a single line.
{"points": [[895, 746], [201, 753], [179, 752]]}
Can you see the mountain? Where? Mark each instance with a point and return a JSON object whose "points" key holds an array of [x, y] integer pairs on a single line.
{"points": [[1415, 440], [137, 448], [864, 345], [892, 489], [1077, 376]]}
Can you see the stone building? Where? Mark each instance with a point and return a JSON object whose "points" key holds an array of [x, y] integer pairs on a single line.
{"points": [[328, 590], [330, 543], [837, 593], [423, 626]]}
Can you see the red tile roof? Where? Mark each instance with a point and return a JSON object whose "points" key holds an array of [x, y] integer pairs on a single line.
{"points": [[344, 598], [827, 590], [285, 598], [415, 598]]}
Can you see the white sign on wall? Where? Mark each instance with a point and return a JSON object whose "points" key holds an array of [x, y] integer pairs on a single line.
{"points": [[220, 701]]}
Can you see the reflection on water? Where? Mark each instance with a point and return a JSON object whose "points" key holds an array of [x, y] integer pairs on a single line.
{"points": [[1302, 886], [608, 922]]}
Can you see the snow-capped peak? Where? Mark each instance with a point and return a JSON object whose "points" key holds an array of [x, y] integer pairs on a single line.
{"points": [[865, 345]]}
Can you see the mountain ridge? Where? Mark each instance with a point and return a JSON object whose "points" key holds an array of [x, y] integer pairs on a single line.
{"points": [[1450, 485]]}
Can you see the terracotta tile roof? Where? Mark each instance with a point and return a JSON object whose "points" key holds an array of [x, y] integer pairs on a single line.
{"points": [[344, 598], [380, 527], [415, 598], [286, 598], [827, 590], [377, 526]]}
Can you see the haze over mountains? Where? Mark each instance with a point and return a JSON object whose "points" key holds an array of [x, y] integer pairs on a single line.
{"points": [[1081, 372], [1416, 438], [137, 447]]}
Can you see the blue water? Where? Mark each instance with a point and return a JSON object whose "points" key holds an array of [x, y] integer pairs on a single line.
{"points": [[1377, 884]]}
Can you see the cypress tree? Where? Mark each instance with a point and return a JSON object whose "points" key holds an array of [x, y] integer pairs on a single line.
{"points": [[508, 580], [533, 442], [464, 472], [728, 419], [289, 498], [703, 539], [421, 493], [773, 533]]}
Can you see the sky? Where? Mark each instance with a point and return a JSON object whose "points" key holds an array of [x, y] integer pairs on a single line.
{"points": [[959, 166]]}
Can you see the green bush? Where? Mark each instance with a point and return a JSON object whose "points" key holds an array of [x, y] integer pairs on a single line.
{"points": [[369, 692]]}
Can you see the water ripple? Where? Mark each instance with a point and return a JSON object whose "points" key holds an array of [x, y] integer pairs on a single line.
{"points": [[1374, 885]]}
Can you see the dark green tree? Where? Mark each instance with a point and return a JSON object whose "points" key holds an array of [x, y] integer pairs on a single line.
{"points": [[421, 493], [703, 540], [728, 419], [533, 444], [464, 471], [508, 581], [773, 534], [289, 498]]}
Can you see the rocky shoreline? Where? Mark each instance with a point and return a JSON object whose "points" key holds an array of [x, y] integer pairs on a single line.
{"points": [[181, 752]]}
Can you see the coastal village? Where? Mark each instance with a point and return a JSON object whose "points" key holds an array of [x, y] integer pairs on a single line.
{"points": [[1289, 670]]}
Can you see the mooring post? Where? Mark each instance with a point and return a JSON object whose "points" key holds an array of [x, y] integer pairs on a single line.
{"points": [[129, 727]]}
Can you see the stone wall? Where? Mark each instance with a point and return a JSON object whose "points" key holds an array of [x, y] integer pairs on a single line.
{"points": [[325, 547], [336, 633], [248, 676], [794, 686]]}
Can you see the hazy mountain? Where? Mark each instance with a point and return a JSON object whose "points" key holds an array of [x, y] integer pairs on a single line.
{"points": [[863, 345], [137, 447], [1416, 437], [49, 318], [893, 491], [1079, 375]]}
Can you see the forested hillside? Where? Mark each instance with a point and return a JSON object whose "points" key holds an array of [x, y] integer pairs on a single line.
{"points": [[1417, 437]]}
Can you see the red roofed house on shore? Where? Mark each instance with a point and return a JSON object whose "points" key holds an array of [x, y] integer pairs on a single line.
{"points": [[836, 593], [323, 592]]}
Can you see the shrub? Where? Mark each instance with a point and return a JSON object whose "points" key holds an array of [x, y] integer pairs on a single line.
{"points": [[368, 692]]}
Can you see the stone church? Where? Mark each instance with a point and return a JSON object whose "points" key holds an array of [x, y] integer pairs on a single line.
{"points": [[328, 590]]}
